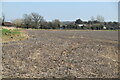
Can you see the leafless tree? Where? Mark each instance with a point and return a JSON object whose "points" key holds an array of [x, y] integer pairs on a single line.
{"points": [[37, 19], [33, 20], [92, 18], [56, 23], [18, 22], [27, 20], [3, 19], [100, 18]]}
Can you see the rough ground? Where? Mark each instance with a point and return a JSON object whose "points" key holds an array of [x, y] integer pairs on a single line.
{"points": [[52, 53]]}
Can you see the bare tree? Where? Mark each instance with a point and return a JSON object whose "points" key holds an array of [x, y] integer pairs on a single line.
{"points": [[18, 22], [37, 19], [33, 20], [3, 19], [100, 18], [92, 18], [27, 20], [56, 23]]}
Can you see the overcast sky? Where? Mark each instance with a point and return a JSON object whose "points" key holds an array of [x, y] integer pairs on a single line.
{"points": [[64, 11]]}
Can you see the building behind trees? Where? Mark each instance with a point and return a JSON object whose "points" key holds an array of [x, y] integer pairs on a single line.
{"points": [[36, 21]]}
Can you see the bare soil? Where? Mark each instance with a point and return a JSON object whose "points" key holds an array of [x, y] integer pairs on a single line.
{"points": [[60, 53]]}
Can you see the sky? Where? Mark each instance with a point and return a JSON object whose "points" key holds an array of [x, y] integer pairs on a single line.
{"points": [[64, 11]]}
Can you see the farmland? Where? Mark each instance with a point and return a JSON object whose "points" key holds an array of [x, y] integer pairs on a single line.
{"points": [[62, 53]]}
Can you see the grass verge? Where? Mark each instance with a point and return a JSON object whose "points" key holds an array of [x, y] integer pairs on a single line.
{"points": [[12, 35]]}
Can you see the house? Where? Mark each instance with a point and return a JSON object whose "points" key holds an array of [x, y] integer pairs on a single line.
{"points": [[80, 25], [8, 24], [104, 27]]}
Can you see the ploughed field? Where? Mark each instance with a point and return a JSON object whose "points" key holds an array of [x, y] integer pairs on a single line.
{"points": [[60, 53]]}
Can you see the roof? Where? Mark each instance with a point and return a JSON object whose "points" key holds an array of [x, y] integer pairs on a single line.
{"points": [[8, 24]]}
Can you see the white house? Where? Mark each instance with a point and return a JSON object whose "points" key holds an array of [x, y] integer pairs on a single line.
{"points": [[104, 27], [80, 25]]}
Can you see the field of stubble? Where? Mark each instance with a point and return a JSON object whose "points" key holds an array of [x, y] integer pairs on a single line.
{"points": [[60, 53]]}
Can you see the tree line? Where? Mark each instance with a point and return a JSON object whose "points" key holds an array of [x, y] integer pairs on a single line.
{"points": [[36, 21]]}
